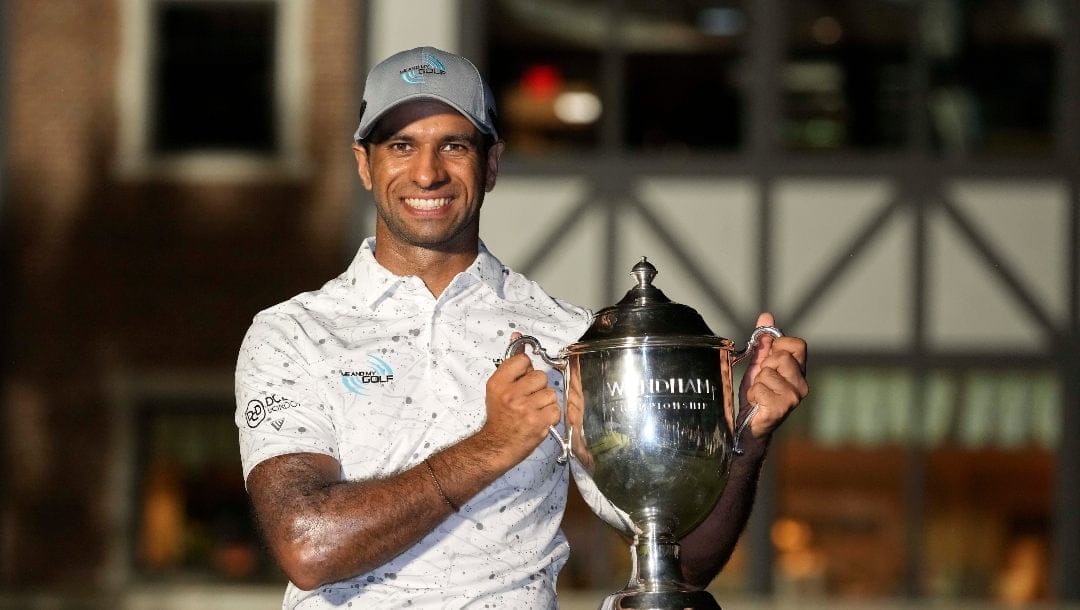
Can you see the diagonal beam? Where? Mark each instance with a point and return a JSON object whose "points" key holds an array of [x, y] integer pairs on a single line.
{"points": [[548, 246], [843, 262], [998, 265]]}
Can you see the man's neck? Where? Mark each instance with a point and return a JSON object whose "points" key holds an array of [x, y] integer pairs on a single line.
{"points": [[435, 268]]}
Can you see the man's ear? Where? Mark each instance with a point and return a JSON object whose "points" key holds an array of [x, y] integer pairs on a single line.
{"points": [[494, 154], [362, 166]]}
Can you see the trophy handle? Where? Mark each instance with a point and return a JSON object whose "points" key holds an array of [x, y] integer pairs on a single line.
{"points": [[752, 343], [559, 364], [738, 356]]}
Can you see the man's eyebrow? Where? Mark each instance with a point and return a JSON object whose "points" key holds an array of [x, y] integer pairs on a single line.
{"points": [[470, 137], [452, 138], [398, 136]]}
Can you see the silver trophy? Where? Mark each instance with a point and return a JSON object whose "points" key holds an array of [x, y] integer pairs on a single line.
{"points": [[650, 427]]}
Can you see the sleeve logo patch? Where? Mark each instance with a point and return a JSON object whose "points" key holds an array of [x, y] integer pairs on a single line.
{"points": [[259, 409]]}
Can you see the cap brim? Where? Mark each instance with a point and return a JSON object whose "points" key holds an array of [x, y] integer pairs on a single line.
{"points": [[368, 124]]}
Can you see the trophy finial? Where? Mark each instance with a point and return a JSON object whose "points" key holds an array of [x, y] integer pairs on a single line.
{"points": [[644, 272]]}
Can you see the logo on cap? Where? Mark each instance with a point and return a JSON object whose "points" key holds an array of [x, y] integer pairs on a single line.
{"points": [[429, 64]]}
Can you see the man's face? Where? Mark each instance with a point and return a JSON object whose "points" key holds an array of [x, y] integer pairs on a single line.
{"points": [[427, 171]]}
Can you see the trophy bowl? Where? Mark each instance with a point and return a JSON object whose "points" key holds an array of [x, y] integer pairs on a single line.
{"points": [[650, 414]]}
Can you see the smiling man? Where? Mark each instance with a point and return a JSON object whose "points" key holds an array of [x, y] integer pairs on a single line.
{"points": [[402, 468]]}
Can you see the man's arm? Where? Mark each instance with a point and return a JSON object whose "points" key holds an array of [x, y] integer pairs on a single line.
{"points": [[704, 551], [775, 380], [323, 529]]}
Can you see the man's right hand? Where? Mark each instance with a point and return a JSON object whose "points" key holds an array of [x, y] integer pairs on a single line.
{"points": [[520, 408]]}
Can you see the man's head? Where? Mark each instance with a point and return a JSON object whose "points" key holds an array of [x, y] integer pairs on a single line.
{"points": [[427, 73], [428, 150]]}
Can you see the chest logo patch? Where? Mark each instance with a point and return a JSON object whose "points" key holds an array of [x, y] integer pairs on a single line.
{"points": [[378, 371]]}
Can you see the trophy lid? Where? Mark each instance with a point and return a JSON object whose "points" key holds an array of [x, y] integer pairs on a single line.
{"points": [[646, 312]]}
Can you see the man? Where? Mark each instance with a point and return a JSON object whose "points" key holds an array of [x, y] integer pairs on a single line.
{"points": [[389, 461]]}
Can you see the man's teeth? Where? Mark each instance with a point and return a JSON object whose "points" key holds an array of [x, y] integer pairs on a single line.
{"points": [[427, 204]]}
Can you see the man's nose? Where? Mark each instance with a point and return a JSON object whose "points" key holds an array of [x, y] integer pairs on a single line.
{"points": [[428, 170]]}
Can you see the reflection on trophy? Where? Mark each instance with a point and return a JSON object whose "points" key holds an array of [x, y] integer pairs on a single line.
{"points": [[650, 413]]}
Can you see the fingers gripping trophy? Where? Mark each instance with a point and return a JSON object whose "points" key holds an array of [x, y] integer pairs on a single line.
{"points": [[650, 435]]}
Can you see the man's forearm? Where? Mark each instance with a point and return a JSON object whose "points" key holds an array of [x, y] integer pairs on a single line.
{"points": [[705, 550], [324, 530]]}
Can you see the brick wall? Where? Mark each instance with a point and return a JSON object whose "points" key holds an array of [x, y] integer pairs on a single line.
{"points": [[107, 273]]}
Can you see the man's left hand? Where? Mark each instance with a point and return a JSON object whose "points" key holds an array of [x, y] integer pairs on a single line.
{"points": [[775, 379]]}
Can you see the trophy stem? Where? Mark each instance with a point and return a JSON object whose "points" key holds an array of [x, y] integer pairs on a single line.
{"points": [[655, 563], [656, 581]]}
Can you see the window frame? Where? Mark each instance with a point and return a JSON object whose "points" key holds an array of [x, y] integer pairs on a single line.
{"points": [[136, 158]]}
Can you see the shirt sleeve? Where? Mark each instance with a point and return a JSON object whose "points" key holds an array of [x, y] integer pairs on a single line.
{"points": [[278, 405], [598, 502]]}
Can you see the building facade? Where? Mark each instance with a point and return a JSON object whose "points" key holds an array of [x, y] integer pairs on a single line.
{"points": [[173, 166]]}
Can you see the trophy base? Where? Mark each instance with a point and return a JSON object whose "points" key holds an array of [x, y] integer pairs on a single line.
{"points": [[660, 600]]}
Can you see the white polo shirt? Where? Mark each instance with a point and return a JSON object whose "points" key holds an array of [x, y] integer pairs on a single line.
{"points": [[377, 373]]}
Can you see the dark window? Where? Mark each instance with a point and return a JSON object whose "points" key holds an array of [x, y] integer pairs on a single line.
{"points": [[193, 516], [539, 53], [683, 86], [214, 76], [993, 70], [846, 81], [556, 66]]}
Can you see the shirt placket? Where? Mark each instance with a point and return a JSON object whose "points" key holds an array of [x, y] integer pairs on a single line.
{"points": [[446, 321]]}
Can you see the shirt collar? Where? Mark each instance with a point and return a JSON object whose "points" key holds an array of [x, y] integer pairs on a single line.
{"points": [[489, 270], [377, 282]]}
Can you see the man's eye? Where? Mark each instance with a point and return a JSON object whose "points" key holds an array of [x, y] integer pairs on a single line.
{"points": [[399, 146], [455, 147]]}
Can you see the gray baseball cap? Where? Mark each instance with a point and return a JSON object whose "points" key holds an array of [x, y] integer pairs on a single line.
{"points": [[426, 73]]}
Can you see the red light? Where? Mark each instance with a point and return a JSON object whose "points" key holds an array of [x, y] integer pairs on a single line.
{"points": [[541, 81]]}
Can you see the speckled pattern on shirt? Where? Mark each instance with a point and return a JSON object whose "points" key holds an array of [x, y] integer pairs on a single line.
{"points": [[377, 373]]}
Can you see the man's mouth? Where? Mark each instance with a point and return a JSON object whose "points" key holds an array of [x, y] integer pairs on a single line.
{"points": [[427, 204]]}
